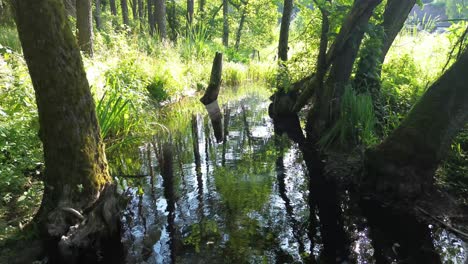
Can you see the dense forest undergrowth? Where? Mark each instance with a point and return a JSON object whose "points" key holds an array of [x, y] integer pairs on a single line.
{"points": [[136, 77]]}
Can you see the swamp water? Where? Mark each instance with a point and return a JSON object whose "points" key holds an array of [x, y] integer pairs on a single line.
{"points": [[259, 198]]}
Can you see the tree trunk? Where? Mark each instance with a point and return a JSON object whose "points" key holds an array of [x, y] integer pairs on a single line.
{"points": [[160, 17], [124, 6], [212, 91], [225, 23], [190, 7], [370, 64], [201, 7], [284, 30], [76, 177], [70, 7], [172, 19], [327, 107], [97, 15], [151, 23], [134, 10], [113, 7], [405, 163], [241, 26], [140, 10], [84, 24]]}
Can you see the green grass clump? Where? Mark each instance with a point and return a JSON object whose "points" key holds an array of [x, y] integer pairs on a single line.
{"points": [[355, 124]]}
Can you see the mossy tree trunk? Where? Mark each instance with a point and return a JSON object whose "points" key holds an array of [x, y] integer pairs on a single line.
{"points": [[405, 163], [284, 30], [76, 177]]}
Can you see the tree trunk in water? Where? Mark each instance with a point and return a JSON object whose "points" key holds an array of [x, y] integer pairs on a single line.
{"points": [[76, 178], [113, 7], [97, 15], [225, 23], [151, 20], [405, 163], [124, 6], [160, 17], [284, 31], [190, 7], [84, 24], [212, 91], [241, 26], [327, 107]]}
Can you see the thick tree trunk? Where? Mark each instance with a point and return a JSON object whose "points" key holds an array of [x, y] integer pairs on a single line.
{"points": [[84, 24], [284, 31], [190, 7], [160, 17], [113, 7], [124, 6], [76, 177], [405, 163], [241, 26], [97, 15], [70, 7], [212, 91], [225, 23]]}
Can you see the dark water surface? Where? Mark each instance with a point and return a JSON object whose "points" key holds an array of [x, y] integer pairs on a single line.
{"points": [[260, 198]]}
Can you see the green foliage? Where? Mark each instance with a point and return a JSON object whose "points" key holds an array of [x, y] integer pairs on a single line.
{"points": [[355, 124], [9, 39], [457, 9]]}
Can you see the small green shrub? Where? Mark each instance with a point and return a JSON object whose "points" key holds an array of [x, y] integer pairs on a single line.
{"points": [[157, 90]]}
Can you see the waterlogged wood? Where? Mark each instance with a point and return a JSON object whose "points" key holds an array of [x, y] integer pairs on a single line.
{"points": [[405, 163], [214, 86], [76, 174], [216, 118]]}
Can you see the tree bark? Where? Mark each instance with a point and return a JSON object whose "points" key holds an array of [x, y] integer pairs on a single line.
{"points": [[284, 30], [97, 15], [140, 10], [241, 26], [405, 163], [190, 7], [113, 7], [124, 6], [225, 23], [160, 17], [201, 7], [212, 91], [84, 24], [76, 178]]}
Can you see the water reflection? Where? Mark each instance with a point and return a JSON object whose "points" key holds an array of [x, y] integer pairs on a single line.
{"points": [[258, 197]]}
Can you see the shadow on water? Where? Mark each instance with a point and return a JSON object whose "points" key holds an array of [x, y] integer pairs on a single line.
{"points": [[234, 187]]}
